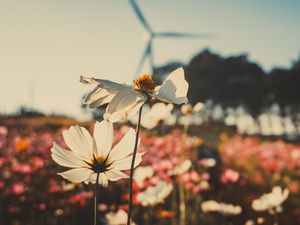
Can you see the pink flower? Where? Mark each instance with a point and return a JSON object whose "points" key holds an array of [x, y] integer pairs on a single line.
{"points": [[189, 185], [154, 180], [18, 188], [53, 187], [230, 175], [194, 176], [2, 161], [197, 189], [205, 176], [102, 207], [22, 168], [3, 131], [185, 177], [294, 187], [2, 184], [37, 162], [42, 206]]}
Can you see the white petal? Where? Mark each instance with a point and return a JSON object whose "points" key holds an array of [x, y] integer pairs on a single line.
{"points": [[124, 164], [103, 180], [131, 112], [87, 80], [77, 175], [79, 141], [114, 175], [124, 104], [149, 122], [124, 147], [98, 97], [173, 89], [65, 157], [103, 136], [112, 87]]}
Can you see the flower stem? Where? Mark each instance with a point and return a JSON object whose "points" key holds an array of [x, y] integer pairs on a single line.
{"points": [[276, 218], [182, 206], [95, 199], [132, 166]]}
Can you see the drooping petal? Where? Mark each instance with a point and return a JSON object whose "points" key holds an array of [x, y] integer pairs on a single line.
{"points": [[131, 112], [65, 157], [110, 86], [173, 89], [103, 136], [77, 175], [98, 97], [114, 175], [79, 141], [87, 80], [124, 147], [124, 164], [124, 104]]}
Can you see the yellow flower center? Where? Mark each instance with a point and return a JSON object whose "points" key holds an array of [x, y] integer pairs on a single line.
{"points": [[144, 84]]}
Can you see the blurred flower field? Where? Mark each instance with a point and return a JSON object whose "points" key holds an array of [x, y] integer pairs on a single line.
{"points": [[196, 175]]}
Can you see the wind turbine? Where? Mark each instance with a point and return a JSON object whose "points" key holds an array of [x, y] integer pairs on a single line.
{"points": [[151, 35]]}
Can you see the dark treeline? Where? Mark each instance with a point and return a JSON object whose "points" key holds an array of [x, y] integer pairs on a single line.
{"points": [[234, 80]]}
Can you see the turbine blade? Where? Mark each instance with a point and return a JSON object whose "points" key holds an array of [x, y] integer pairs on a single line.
{"points": [[146, 54], [183, 35], [140, 15], [151, 59]]}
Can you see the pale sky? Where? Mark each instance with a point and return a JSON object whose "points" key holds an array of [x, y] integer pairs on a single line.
{"points": [[46, 45]]}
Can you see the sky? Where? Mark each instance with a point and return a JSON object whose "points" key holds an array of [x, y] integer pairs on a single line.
{"points": [[46, 45]]}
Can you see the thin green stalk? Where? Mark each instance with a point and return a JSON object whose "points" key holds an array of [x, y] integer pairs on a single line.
{"points": [[276, 218], [95, 199], [132, 166]]}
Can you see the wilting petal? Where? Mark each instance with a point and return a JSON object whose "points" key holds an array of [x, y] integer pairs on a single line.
{"points": [[98, 97], [79, 141], [110, 86], [124, 164], [114, 175], [65, 157], [77, 175], [173, 89], [124, 147], [87, 80], [103, 136], [123, 104]]}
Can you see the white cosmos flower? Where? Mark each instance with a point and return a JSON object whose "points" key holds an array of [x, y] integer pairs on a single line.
{"points": [[191, 115], [92, 155], [155, 194], [142, 173], [118, 218], [124, 100], [181, 168], [271, 201], [220, 207], [159, 112]]}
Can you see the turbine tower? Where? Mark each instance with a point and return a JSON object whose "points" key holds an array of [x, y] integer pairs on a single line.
{"points": [[151, 35]]}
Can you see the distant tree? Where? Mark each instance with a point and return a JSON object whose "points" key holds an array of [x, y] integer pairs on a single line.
{"points": [[25, 111], [284, 84]]}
